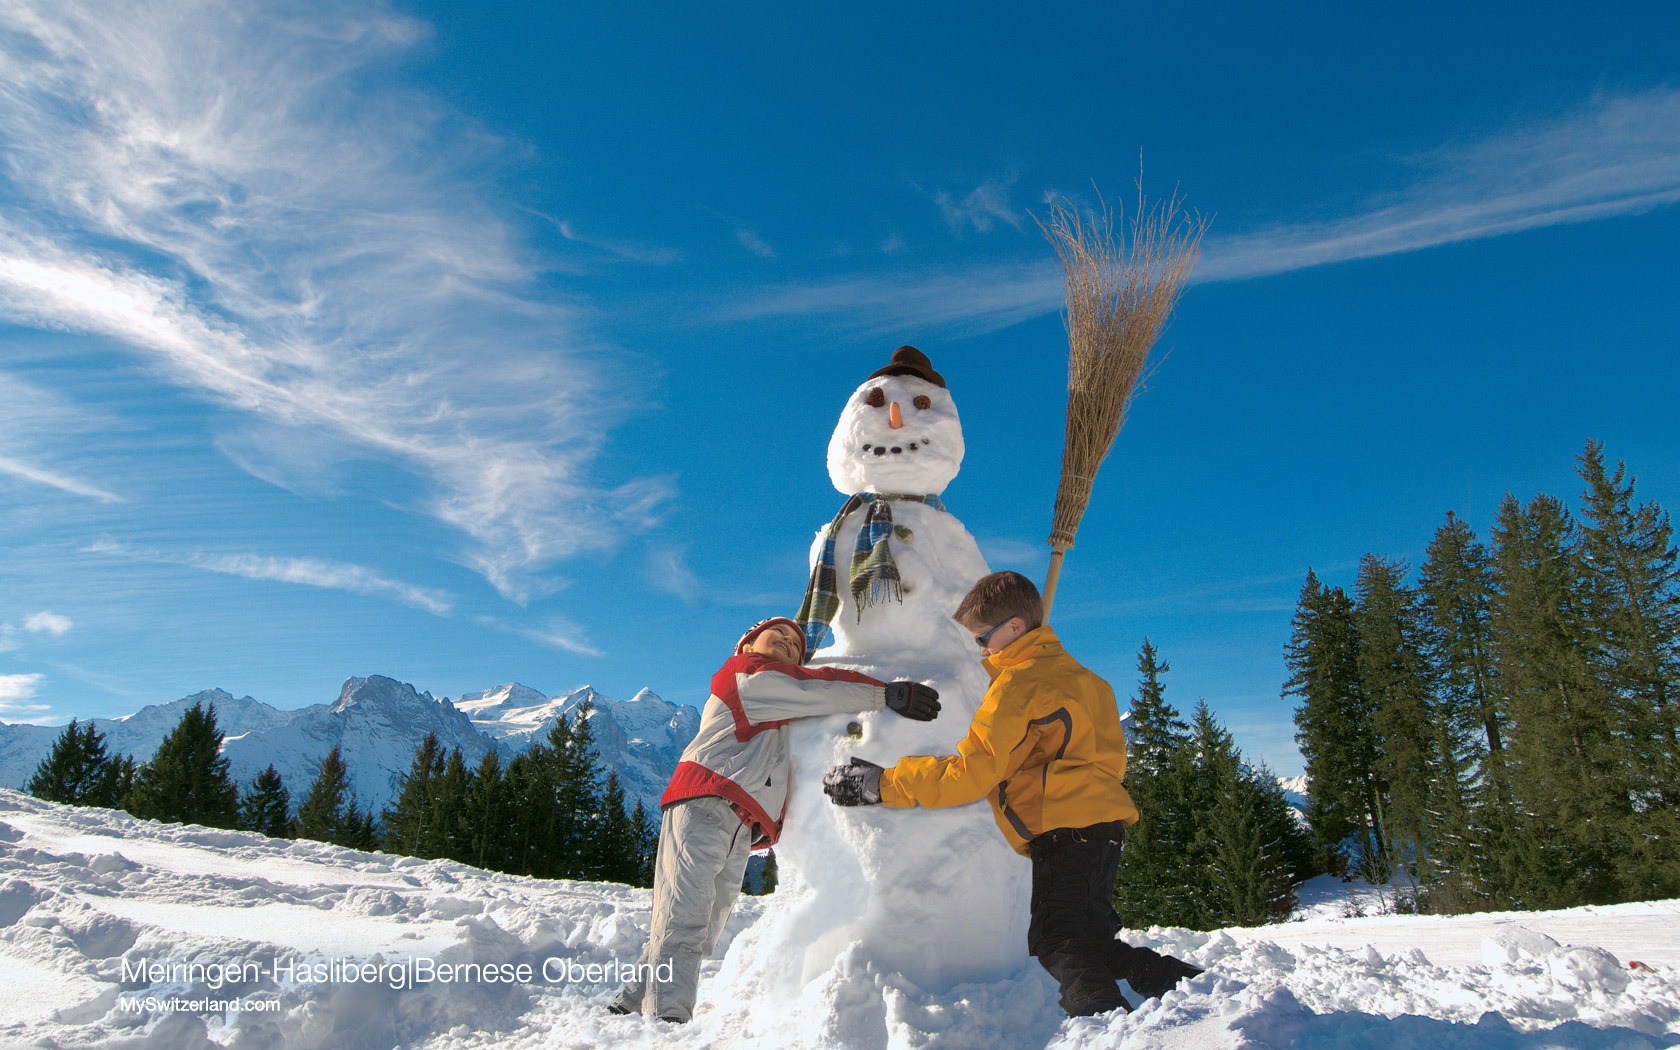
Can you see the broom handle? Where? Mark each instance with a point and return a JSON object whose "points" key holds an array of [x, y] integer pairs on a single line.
{"points": [[1055, 573]]}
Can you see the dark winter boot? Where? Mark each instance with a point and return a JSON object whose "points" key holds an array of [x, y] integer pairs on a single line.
{"points": [[1150, 974]]}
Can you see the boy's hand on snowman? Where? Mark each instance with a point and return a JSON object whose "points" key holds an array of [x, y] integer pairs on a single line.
{"points": [[913, 700], [858, 783]]}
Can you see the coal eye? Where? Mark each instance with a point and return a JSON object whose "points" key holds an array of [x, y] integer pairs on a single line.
{"points": [[923, 401], [875, 398]]}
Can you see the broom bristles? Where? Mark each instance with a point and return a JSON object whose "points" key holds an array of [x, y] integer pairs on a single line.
{"points": [[1121, 291]]}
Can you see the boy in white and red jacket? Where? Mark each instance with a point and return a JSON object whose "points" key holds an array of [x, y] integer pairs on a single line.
{"points": [[729, 796]]}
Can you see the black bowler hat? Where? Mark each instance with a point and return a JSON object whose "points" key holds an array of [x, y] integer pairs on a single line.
{"points": [[908, 361]]}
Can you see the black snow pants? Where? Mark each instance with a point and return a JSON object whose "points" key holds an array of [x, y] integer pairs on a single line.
{"points": [[1073, 926]]}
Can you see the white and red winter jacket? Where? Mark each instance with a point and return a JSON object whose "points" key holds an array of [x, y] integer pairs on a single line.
{"points": [[741, 750]]}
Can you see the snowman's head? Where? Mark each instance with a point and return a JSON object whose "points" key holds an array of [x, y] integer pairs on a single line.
{"points": [[898, 434]]}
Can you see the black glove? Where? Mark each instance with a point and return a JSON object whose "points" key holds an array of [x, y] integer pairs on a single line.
{"points": [[913, 700], [857, 783]]}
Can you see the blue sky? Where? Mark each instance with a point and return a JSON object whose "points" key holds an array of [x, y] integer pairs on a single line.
{"points": [[488, 343]]}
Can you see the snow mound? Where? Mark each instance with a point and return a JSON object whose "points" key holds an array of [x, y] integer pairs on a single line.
{"points": [[116, 932]]}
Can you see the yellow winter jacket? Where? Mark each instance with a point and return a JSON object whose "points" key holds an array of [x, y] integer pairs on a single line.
{"points": [[1045, 748]]}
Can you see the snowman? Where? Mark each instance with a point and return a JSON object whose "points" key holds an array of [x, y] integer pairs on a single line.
{"points": [[875, 897]]}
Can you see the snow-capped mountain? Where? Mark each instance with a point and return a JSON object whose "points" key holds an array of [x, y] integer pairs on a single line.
{"points": [[640, 738], [377, 723]]}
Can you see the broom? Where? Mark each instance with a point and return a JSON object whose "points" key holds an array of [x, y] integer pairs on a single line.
{"points": [[1119, 298]]}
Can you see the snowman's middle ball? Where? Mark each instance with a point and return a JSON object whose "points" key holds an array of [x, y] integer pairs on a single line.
{"points": [[919, 456]]}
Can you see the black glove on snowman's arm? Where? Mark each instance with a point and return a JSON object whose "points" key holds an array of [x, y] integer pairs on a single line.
{"points": [[913, 700], [858, 783]]}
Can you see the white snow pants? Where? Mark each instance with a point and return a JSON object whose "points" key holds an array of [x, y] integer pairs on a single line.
{"points": [[703, 850]]}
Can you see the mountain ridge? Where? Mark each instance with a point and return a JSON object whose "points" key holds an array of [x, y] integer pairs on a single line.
{"points": [[377, 723]]}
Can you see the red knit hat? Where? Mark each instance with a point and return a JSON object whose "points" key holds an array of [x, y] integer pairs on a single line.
{"points": [[763, 625]]}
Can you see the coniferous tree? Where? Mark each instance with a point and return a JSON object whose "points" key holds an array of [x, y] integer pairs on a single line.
{"points": [[1632, 599], [1335, 731], [482, 825], [1562, 762], [78, 771], [1248, 839], [329, 812], [768, 877], [616, 851], [187, 780], [409, 819], [1395, 680], [449, 798], [577, 796], [120, 773], [1455, 591], [527, 788], [266, 807], [1155, 728], [1157, 881], [647, 844]]}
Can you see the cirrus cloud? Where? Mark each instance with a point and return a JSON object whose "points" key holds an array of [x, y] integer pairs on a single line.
{"points": [[279, 228]]}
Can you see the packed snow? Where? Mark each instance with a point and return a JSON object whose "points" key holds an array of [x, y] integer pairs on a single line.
{"points": [[116, 932]]}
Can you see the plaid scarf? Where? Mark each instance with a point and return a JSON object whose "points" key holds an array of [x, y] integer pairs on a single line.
{"points": [[874, 575]]}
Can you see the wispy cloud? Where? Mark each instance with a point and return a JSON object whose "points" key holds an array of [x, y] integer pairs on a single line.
{"points": [[34, 424], [223, 187], [972, 301], [627, 251], [752, 242], [42, 476], [554, 631], [983, 207], [16, 690], [307, 572], [667, 571], [1617, 155], [44, 622]]}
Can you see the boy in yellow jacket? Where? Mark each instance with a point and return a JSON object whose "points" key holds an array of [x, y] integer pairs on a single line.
{"points": [[1047, 750]]}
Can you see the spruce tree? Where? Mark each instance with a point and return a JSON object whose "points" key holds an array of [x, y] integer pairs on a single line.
{"points": [[449, 799], [1632, 599], [329, 811], [483, 828], [1394, 677], [266, 807], [78, 771], [1155, 729], [120, 772], [577, 796], [1335, 731], [1455, 592], [1247, 839], [409, 819], [1563, 762], [1156, 883], [186, 780], [616, 850], [768, 877], [527, 788], [647, 843]]}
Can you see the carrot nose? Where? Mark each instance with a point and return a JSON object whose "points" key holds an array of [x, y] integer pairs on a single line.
{"points": [[895, 418]]}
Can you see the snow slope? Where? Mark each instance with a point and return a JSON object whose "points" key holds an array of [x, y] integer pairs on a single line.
{"points": [[86, 894]]}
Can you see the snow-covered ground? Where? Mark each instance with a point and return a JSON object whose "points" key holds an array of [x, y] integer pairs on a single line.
{"points": [[104, 920]]}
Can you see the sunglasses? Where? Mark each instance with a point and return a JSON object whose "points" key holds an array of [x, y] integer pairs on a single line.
{"points": [[982, 639]]}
